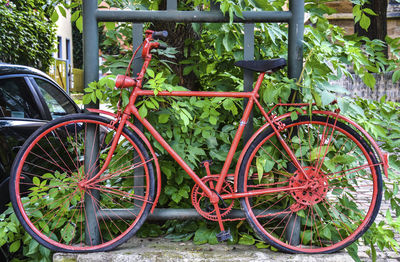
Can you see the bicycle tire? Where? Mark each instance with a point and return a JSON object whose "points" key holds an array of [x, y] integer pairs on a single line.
{"points": [[51, 201], [325, 215]]}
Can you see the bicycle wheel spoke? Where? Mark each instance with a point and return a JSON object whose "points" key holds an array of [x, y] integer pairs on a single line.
{"points": [[62, 207], [329, 202]]}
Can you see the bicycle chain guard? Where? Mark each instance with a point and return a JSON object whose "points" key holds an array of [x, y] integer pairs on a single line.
{"points": [[202, 203]]}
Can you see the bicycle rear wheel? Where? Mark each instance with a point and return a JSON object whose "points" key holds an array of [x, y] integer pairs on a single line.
{"points": [[53, 202], [325, 212]]}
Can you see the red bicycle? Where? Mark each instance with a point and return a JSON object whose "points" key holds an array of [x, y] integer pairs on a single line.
{"points": [[86, 182]]}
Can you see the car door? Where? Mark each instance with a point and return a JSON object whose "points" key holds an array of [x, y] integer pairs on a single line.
{"points": [[20, 116]]}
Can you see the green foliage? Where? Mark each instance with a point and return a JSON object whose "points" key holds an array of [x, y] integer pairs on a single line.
{"points": [[27, 32], [17, 243], [199, 129]]}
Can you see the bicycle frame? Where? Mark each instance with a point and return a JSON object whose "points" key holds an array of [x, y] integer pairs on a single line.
{"points": [[252, 99]]}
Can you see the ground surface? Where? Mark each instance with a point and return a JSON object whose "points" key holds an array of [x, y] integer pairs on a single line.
{"points": [[161, 249]]}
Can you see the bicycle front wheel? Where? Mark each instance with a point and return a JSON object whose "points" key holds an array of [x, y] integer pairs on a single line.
{"points": [[55, 203], [322, 210]]}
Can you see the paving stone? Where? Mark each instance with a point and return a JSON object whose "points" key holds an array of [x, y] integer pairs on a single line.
{"points": [[160, 249]]}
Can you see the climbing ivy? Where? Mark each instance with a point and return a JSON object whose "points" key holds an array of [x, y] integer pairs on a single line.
{"points": [[200, 129]]}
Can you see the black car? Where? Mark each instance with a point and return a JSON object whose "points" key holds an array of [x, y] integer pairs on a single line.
{"points": [[28, 99]]}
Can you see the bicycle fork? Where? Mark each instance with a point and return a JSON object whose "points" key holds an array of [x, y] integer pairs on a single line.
{"points": [[121, 124]]}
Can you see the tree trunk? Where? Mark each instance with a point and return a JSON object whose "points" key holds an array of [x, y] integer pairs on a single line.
{"points": [[178, 34], [378, 27]]}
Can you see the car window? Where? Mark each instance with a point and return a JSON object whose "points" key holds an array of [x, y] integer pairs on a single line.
{"points": [[56, 100], [16, 100]]}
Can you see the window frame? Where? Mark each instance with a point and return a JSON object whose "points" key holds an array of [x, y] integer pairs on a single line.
{"points": [[39, 94]]}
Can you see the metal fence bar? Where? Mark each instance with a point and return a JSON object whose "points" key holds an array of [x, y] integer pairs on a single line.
{"points": [[91, 15], [190, 16], [180, 214], [296, 35], [91, 73], [138, 180], [248, 76]]}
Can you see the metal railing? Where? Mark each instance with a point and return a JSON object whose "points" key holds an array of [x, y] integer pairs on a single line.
{"points": [[92, 16]]}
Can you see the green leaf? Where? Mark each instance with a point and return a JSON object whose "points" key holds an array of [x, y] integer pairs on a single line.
{"points": [[317, 97], [396, 76], [99, 94], [170, 190], [33, 247], [319, 152], [201, 235], [14, 247], [395, 188], [369, 11], [176, 197], [365, 21], [187, 70], [369, 80], [183, 193], [75, 16], [150, 72], [213, 120], [163, 118], [54, 16], [143, 111], [262, 245], [45, 252], [306, 236], [229, 41], [68, 232], [260, 167], [326, 233], [343, 159], [327, 98], [294, 116], [110, 26], [36, 181], [246, 240], [353, 252], [62, 11], [79, 24]]}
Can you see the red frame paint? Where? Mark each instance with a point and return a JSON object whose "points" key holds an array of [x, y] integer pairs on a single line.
{"points": [[126, 81]]}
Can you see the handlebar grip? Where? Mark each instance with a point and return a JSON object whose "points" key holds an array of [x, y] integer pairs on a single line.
{"points": [[160, 34]]}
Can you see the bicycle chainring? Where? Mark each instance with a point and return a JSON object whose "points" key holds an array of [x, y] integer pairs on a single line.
{"points": [[202, 203]]}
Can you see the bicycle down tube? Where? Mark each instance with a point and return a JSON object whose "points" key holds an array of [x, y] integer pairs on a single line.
{"points": [[252, 96]]}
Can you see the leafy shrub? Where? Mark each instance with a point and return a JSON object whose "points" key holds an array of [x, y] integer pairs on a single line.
{"points": [[27, 33]]}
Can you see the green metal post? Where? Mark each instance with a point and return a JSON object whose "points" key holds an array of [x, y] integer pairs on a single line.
{"points": [[295, 18], [295, 63], [91, 73], [296, 32], [138, 180], [248, 76]]}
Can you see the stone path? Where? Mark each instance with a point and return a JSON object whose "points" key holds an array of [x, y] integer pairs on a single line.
{"points": [[161, 249]]}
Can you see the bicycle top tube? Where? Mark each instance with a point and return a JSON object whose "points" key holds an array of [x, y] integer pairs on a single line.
{"points": [[125, 81]]}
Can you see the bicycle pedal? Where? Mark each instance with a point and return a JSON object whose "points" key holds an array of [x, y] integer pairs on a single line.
{"points": [[224, 236]]}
